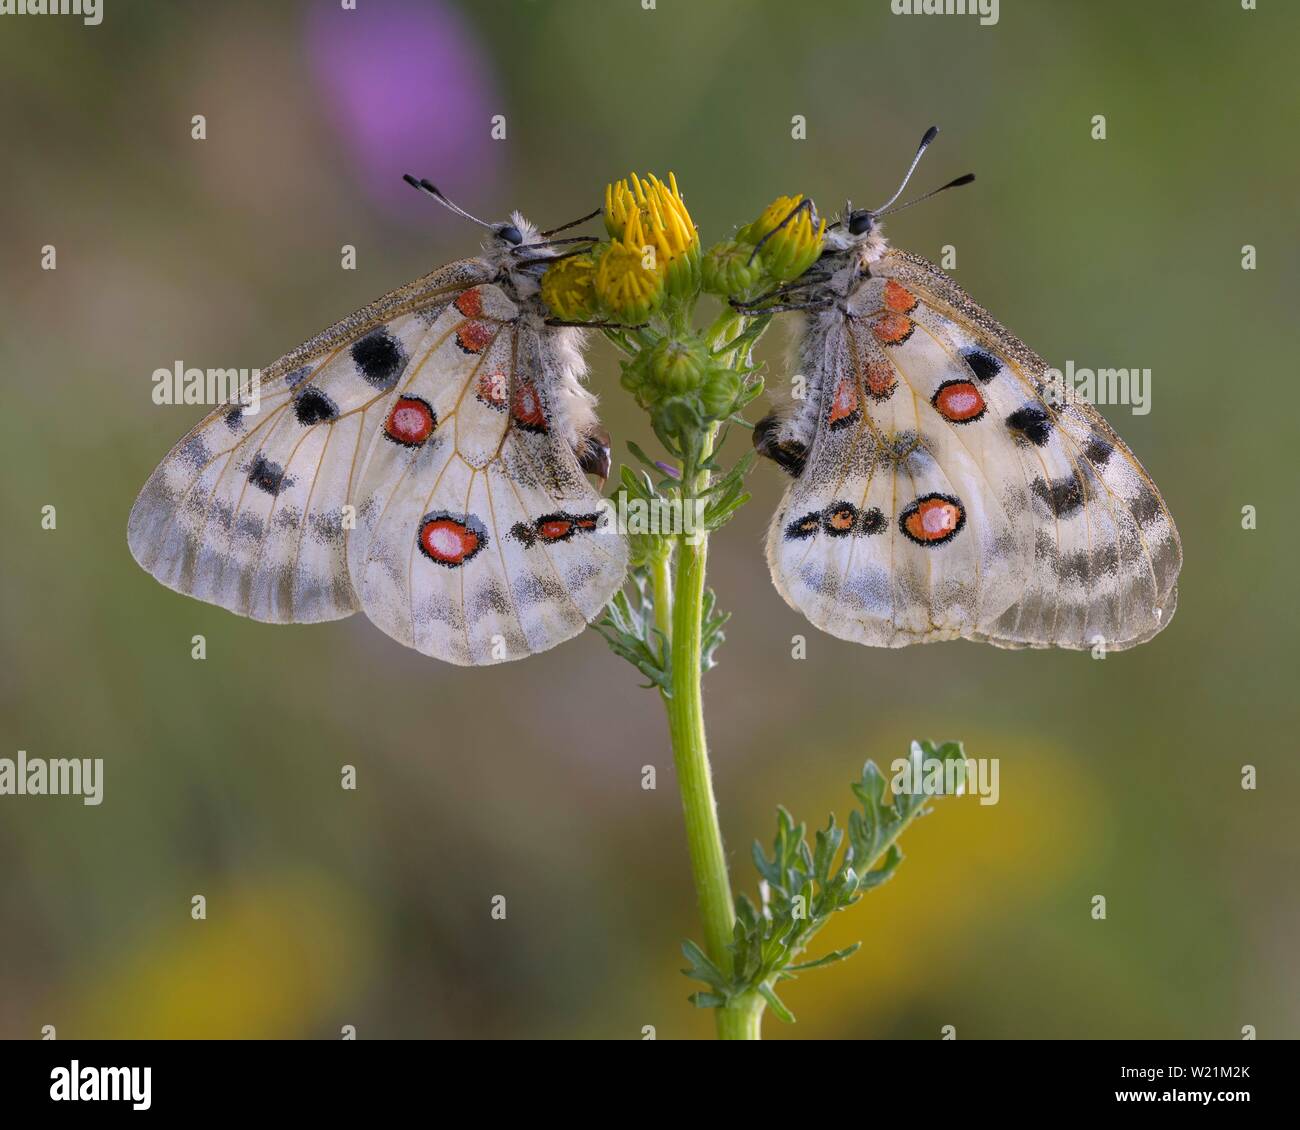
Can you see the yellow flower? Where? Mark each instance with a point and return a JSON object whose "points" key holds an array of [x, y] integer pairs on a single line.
{"points": [[791, 249], [650, 213], [569, 288], [650, 217], [626, 286]]}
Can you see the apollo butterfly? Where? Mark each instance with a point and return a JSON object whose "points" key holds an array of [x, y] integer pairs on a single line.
{"points": [[939, 491], [383, 473]]}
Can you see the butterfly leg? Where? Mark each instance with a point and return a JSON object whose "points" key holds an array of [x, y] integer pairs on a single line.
{"points": [[780, 307]]}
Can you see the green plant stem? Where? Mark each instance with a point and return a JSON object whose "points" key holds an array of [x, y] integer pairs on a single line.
{"points": [[661, 581], [741, 1019]]}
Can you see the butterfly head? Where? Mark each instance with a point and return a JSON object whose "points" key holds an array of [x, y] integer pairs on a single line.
{"points": [[512, 234], [859, 229]]}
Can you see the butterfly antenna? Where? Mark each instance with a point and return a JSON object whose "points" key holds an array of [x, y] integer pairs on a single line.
{"points": [[427, 186], [930, 135], [965, 178], [573, 223]]}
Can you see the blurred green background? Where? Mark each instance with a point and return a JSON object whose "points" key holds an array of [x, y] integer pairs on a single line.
{"points": [[1118, 777]]}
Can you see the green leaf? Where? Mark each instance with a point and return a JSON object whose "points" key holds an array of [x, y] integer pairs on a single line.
{"points": [[842, 864], [778, 1008], [825, 959]]}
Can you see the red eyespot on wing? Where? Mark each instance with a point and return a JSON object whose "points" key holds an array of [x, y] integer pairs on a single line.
{"points": [[932, 519], [474, 337], [554, 529], [892, 328], [410, 422], [492, 389], [470, 303], [451, 539], [881, 380], [899, 299], [526, 409], [959, 401], [844, 404]]}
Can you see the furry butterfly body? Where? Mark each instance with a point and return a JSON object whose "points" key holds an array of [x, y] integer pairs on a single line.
{"points": [[422, 460], [939, 491]]}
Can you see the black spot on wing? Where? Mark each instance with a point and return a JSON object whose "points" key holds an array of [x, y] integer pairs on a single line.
{"points": [[235, 418], [194, 453], [839, 519], [873, 521], [1031, 422], [313, 407], [1062, 497], [1146, 506], [804, 527], [983, 365], [266, 475], [1097, 451], [380, 358], [1075, 567]]}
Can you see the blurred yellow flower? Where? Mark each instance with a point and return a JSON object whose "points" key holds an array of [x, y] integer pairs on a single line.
{"points": [[627, 287], [569, 288]]}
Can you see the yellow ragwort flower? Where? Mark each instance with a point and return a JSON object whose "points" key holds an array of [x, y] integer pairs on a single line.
{"points": [[791, 249], [625, 285], [569, 288], [648, 213]]}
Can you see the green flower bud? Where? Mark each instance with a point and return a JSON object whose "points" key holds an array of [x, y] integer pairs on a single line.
{"points": [[720, 392], [682, 277], [727, 270], [678, 366]]}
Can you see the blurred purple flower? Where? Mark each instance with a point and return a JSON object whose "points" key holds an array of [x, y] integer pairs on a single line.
{"points": [[668, 469], [409, 89]]}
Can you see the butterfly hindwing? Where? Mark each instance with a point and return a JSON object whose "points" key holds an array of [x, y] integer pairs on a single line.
{"points": [[851, 547], [484, 541]]}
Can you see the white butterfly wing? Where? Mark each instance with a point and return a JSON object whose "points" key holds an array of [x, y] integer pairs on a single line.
{"points": [[479, 537], [1106, 550], [247, 511], [970, 506], [439, 398], [838, 550]]}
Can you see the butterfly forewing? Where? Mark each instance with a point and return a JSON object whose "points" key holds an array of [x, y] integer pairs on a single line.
{"points": [[247, 511]]}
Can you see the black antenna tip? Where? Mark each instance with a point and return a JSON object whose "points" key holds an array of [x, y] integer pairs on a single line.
{"points": [[965, 178], [429, 186], [930, 135], [410, 180]]}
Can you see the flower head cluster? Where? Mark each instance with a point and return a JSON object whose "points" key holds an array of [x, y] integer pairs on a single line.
{"points": [[652, 257]]}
